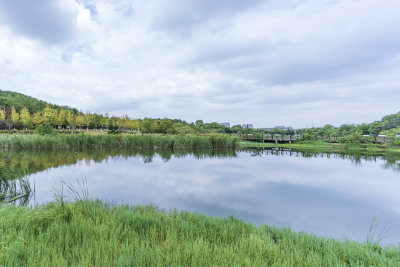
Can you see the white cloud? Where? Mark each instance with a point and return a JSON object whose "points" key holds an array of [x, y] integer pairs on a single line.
{"points": [[261, 62]]}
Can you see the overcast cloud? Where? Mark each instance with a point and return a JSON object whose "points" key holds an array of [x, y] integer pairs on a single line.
{"points": [[286, 62]]}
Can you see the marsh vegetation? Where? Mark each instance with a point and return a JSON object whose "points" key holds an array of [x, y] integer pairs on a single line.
{"points": [[93, 233], [85, 141]]}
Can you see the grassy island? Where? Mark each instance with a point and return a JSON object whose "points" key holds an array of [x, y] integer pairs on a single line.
{"points": [[92, 233]]}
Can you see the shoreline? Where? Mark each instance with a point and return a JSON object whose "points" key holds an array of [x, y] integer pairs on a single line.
{"points": [[326, 147]]}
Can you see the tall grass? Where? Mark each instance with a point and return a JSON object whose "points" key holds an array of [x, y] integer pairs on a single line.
{"points": [[84, 141], [92, 233]]}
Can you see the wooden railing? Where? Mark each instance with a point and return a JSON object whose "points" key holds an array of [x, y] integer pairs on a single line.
{"points": [[283, 138]]}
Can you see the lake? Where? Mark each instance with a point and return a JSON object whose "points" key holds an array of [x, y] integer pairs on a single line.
{"points": [[331, 195]]}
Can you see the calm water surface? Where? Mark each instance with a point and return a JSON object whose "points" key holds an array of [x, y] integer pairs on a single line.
{"points": [[326, 194]]}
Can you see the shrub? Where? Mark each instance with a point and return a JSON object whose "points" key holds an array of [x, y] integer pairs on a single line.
{"points": [[44, 129]]}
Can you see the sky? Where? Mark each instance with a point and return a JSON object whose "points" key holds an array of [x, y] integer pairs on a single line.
{"points": [[266, 62]]}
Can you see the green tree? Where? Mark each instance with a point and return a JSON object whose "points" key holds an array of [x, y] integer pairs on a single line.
{"points": [[95, 121], [391, 121], [147, 125], [375, 128], [199, 123], [165, 126], [364, 128], [327, 130], [237, 129], [276, 131]]}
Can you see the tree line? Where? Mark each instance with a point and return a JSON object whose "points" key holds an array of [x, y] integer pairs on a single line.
{"points": [[389, 126], [66, 118], [69, 119]]}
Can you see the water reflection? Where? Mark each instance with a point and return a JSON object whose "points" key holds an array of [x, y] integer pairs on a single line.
{"points": [[17, 192], [17, 164], [329, 194], [388, 160]]}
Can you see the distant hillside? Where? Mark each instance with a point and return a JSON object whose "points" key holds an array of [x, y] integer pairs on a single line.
{"points": [[9, 99]]}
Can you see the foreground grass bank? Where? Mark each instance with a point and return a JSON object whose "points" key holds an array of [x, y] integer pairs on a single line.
{"points": [[85, 141], [319, 146], [90, 233]]}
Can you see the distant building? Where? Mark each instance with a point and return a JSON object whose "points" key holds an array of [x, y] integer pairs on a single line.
{"points": [[247, 126], [266, 129], [284, 128], [227, 124], [280, 127]]}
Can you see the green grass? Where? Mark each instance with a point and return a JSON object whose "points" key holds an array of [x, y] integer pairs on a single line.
{"points": [[324, 147], [91, 233], [85, 141]]}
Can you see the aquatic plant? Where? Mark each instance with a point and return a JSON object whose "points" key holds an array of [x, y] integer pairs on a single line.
{"points": [[86, 141]]}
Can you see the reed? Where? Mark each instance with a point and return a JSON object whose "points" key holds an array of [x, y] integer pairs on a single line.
{"points": [[86, 141], [92, 233]]}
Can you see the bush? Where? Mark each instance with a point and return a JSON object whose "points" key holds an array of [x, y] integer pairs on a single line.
{"points": [[10, 125], [307, 137], [44, 129], [114, 131]]}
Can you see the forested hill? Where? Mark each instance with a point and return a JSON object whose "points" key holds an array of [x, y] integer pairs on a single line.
{"points": [[41, 112], [9, 99]]}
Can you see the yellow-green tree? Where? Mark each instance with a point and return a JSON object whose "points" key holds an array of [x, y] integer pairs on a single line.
{"points": [[71, 119], [14, 115], [50, 116], [80, 120], [88, 120], [133, 124], [2, 114], [124, 122], [26, 118], [37, 119], [117, 122], [62, 119], [104, 121]]}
